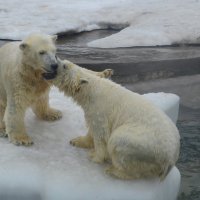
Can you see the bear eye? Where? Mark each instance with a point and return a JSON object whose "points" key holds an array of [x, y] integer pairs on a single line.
{"points": [[42, 52]]}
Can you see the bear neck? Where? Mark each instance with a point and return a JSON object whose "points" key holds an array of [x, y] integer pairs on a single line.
{"points": [[27, 72], [71, 88], [82, 97]]}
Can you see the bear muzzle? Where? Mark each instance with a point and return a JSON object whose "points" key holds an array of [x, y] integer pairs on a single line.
{"points": [[49, 75]]}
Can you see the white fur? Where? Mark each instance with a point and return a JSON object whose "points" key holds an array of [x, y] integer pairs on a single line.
{"points": [[124, 127], [22, 84]]}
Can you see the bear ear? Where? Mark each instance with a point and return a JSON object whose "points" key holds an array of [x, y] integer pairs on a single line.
{"points": [[83, 81], [23, 46], [64, 66], [54, 38]]}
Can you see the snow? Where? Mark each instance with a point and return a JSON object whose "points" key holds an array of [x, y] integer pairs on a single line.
{"points": [[169, 103], [143, 23], [53, 169]]}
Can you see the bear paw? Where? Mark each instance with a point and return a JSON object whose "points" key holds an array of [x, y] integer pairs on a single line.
{"points": [[114, 172], [95, 158], [82, 142], [52, 115], [3, 132], [76, 142], [20, 139]]}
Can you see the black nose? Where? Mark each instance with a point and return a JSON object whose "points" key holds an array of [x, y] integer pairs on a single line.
{"points": [[54, 66]]}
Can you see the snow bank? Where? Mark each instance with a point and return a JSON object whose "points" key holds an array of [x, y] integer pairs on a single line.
{"points": [[145, 23], [51, 169]]}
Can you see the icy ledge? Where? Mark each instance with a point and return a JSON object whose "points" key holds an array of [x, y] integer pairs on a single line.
{"points": [[53, 170]]}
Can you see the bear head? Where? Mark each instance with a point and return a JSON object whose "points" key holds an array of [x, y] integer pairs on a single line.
{"points": [[70, 77], [39, 53]]}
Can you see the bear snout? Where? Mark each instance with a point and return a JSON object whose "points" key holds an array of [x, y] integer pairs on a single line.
{"points": [[54, 67]]}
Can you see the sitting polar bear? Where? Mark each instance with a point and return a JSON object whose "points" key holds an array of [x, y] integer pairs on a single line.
{"points": [[124, 127], [26, 70]]}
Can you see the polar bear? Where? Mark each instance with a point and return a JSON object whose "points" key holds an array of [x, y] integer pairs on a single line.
{"points": [[26, 70], [124, 127]]}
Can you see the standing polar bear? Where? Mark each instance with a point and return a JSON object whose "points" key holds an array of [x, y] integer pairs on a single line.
{"points": [[26, 70], [124, 127], [22, 85]]}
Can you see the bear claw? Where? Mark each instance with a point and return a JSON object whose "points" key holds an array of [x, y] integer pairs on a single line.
{"points": [[53, 115], [21, 139], [3, 133]]}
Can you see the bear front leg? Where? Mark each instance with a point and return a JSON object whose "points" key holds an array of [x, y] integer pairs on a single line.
{"points": [[2, 124], [42, 109], [99, 154], [14, 121], [83, 141]]}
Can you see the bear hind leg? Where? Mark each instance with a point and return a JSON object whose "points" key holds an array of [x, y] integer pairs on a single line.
{"points": [[137, 170], [125, 168], [130, 157], [118, 173]]}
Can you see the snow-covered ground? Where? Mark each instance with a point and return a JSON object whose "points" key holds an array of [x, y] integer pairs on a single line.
{"points": [[52, 169], [145, 22]]}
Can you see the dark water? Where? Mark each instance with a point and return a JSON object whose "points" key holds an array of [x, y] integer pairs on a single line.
{"points": [[189, 161]]}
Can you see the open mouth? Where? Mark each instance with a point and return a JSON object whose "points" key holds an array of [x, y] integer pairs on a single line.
{"points": [[49, 75]]}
